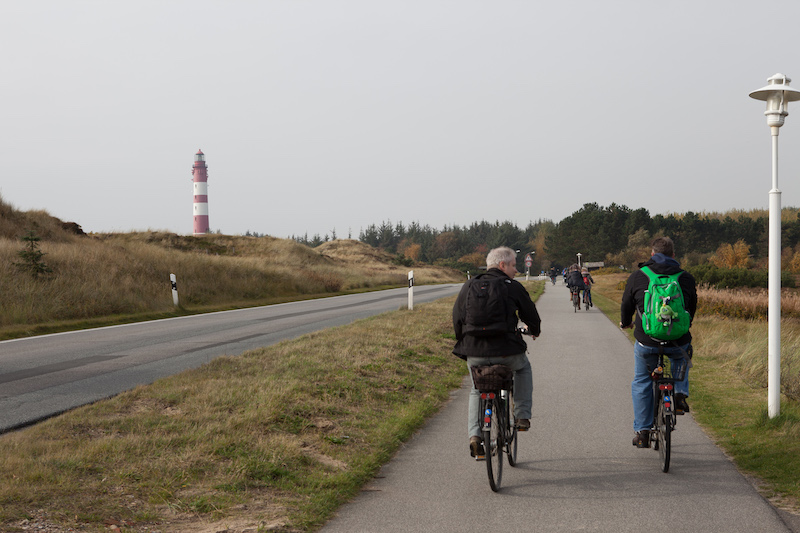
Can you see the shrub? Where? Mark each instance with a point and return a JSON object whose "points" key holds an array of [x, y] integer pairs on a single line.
{"points": [[729, 278]]}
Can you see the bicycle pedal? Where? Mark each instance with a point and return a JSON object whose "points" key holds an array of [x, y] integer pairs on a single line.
{"points": [[480, 457], [519, 429]]}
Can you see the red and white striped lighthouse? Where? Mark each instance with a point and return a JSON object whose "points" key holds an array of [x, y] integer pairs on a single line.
{"points": [[200, 179]]}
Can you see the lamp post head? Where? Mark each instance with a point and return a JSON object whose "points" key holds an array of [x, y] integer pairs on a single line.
{"points": [[777, 94]]}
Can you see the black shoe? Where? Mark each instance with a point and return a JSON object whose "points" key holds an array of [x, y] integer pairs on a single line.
{"points": [[641, 439], [523, 424], [681, 406], [476, 448]]}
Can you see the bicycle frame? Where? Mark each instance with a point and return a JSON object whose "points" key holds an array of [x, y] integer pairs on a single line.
{"points": [[664, 418], [500, 435], [493, 431]]}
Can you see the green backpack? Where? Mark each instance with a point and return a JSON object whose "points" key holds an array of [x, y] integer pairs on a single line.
{"points": [[665, 316]]}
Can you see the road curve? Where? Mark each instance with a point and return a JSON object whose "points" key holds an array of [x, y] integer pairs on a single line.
{"points": [[577, 468], [46, 375]]}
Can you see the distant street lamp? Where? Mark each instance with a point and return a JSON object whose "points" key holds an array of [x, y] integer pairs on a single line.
{"points": [[579, 259], [777, 94]]}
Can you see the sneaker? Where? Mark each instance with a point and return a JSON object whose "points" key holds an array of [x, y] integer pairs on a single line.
{"points": [[523, 424], [681, 406], [641, 439], [476, 448]]}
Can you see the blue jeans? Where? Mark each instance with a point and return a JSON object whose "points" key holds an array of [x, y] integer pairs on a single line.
{"points": [[523, 389], [587, 296], [645, 360]]}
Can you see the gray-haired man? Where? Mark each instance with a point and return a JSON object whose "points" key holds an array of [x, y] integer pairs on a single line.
{"points": [[507, 347]]}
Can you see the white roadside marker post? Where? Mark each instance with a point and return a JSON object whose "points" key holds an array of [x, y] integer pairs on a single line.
{"points": [[174, 281], [411, 290]]}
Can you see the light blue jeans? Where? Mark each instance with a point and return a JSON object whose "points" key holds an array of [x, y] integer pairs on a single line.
{"points": [[523, 389], [645, 360]]}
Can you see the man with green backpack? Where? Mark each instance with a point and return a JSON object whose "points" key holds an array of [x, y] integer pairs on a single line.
{"points": [[662, 299]]}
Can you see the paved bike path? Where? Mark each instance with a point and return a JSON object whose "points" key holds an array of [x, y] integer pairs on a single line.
{"points": [[577, 468]]}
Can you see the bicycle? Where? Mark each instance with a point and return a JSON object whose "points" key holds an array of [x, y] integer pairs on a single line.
{"points": [[587, 298], [664, 414], [576, 299], [495, 384]]}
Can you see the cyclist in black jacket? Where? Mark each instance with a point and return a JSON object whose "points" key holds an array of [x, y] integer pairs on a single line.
{"points": [[574, 280], [507, 348]]}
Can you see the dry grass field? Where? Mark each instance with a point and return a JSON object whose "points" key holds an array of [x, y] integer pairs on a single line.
{"points": [[127, 275]]}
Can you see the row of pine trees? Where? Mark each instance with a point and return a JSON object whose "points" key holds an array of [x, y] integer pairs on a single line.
{"points": [[615, 235]]}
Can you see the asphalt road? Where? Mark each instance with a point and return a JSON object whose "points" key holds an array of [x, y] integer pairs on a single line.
{"points": [[43, 376], [577, 469]]}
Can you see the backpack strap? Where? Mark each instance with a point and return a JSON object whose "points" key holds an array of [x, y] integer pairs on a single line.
{"points": [[653, 276]]}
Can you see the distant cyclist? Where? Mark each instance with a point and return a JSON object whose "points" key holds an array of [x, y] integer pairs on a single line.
{"points": [[553, 274], [588, 281], [574, 280]]}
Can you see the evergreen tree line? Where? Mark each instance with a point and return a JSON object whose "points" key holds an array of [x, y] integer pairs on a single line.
{"points": [[615, 235]]}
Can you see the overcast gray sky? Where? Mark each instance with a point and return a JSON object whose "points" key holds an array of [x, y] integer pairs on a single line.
{"points": [[333, 115]]}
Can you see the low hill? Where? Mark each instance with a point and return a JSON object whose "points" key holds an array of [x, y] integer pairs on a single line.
{"points": [[97, 276]]}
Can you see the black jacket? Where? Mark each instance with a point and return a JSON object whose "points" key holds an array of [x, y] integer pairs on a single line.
{"points": [[633, 296], [575, 280], [519, 305]]}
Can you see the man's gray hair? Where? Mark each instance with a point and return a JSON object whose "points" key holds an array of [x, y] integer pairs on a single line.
{"points": [[504, 253]]}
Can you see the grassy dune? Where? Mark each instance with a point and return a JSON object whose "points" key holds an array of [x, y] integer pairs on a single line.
{"points": [[122, 277]]}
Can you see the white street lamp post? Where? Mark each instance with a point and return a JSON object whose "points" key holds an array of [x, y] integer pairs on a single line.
{"points": [[777, 94], [579, 259]]}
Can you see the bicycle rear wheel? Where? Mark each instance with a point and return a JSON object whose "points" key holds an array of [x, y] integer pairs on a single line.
{"points": [[493, 443], [576, 302], [511, 434], [664, 433]]}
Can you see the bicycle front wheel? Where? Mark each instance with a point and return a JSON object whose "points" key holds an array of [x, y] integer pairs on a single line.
{"points": [[511, 431], [664, 434], [493, 443]]}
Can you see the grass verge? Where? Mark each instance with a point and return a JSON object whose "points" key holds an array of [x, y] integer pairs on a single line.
{"points": [[728, 396], [276, 438]]}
